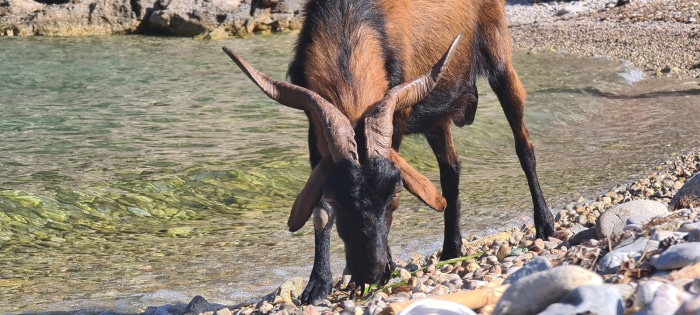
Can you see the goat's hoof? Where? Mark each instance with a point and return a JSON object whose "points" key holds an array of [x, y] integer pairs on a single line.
{"points": [[316, 291]]}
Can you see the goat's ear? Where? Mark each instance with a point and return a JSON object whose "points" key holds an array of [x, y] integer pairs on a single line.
{"points": [[308, 198], [418, 184]]}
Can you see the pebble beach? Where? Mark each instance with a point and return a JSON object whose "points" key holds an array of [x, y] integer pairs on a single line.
{"points": [[633, 249], [660, 37]]}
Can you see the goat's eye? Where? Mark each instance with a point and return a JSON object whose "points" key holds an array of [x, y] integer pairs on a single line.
{"points": [[395, 196]]}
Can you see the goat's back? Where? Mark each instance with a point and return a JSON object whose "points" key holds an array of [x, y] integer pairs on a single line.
{"points": [[352, 51]]}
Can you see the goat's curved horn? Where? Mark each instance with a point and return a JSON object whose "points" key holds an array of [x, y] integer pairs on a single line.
{"points": [[379, 125], [337, 128]]}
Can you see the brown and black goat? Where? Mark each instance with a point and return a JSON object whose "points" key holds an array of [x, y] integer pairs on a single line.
{"points": [[364, 73]]}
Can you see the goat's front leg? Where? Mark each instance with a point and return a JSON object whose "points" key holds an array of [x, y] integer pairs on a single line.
{"points": [[321, 279], [440, 140]]}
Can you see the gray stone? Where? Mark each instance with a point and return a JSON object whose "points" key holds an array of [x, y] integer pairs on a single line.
{"points": [[418, 295], [626, 290], [687, 227], [666, 300], [582, 237], [694, 235], [199, 304], [612, 221], [688, 196], [611, 262], [638, 219], [75, 18], [475, 284], [660, 235], [537, 264], [677, 256], [588, 299], [645, 293], [572, 9], [192, 17], [348, 305], [694, 287], [626, 241], [652, 245], [690, 307], [163, 310], [532, 294], [433, 306]]}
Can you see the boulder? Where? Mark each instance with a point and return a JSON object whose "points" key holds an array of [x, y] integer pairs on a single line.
{"points": [[208, 19], [534, 293], [236, 17], [79, 18], [589, 299], [688, 196], [194, 17], [612, 221], [677, 256]]}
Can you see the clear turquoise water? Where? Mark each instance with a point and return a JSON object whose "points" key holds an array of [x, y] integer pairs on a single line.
{"points": [[140, 171]]}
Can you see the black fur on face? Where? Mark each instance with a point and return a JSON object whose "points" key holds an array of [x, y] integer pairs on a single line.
{"points": [[360, 197]]}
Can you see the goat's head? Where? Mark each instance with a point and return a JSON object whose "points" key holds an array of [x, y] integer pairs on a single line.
{"points": [[360, 187]]}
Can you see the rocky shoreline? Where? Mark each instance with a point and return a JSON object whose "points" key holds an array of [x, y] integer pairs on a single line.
{"points": [[658, 36], [621, 252], [201, 19], [634, 249]]}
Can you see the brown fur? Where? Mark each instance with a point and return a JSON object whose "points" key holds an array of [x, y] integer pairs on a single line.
{"points": [[421, 29], [357, 96]]}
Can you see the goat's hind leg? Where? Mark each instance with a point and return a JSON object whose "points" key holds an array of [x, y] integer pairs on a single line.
{"points": [[505, 83], [440, 140]]}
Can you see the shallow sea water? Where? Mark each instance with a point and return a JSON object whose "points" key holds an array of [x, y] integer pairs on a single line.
{"points": [[141, 171]]}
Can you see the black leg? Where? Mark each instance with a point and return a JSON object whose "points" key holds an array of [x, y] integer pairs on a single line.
{"points": [[321, 279], [511, 95], [440, 140]]}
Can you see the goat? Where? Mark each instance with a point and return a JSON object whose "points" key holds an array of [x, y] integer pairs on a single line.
{"points": [[363, 72]]}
